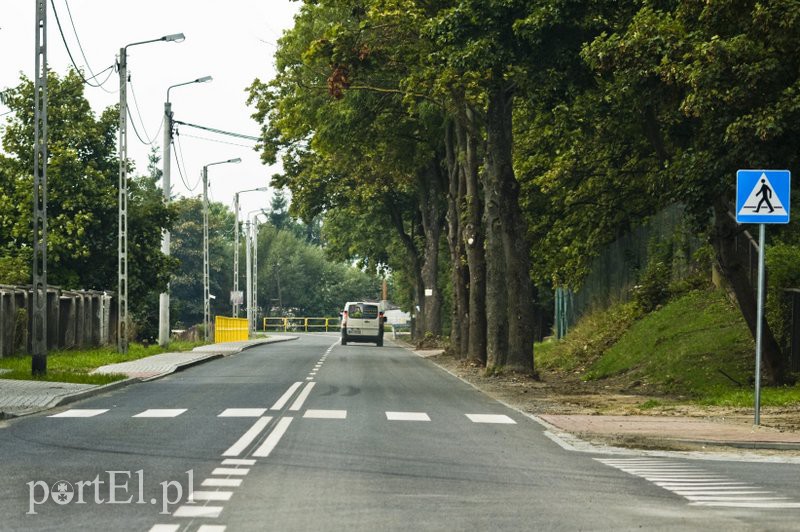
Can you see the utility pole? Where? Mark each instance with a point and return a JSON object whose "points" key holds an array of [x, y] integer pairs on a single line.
{"points": [[255, 273], [122, 218], [122, 213], [236, 256], [206, 301], [163, 299], [39, 318], [249, 266]]}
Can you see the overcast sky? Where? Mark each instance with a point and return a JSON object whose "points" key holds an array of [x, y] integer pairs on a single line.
{"points": [[231, 40]]}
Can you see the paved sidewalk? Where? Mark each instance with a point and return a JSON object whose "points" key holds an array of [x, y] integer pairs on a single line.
{"points": [[20, 397], [655, 431]]}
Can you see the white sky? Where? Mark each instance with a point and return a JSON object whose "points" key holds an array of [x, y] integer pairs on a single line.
{"points": [[231, 40]]}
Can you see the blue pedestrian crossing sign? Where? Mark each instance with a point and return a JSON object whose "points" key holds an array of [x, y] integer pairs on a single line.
{"points": [[762, 196]]}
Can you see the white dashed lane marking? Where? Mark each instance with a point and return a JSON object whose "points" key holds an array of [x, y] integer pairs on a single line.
{"points": [[407, 416], [161, 412], [222, 483], [231, 471], [165, 528], [81, 412], [211, 528], [491, 418], [699, 487]]}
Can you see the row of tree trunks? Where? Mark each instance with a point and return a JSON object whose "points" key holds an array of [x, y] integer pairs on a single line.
{"points": [[484, 213]]}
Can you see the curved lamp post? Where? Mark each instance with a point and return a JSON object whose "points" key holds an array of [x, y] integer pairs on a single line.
{"points": [[206, 298]]}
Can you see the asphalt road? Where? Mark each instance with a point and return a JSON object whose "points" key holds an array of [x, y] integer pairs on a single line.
{"points": [[311, 435]]}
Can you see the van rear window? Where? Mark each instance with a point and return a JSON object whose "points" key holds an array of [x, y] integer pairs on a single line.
{"points": [[367, 312]]}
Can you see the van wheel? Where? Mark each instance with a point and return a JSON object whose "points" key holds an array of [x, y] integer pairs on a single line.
{"points": [[379, 343]]}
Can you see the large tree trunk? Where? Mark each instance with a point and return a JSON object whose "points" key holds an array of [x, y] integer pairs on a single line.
{"points": [[509, 237], [430, 200], [473, 239], [732, 268], [415, 265], [459, 316]]}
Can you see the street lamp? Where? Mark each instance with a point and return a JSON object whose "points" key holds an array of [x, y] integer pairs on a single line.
{"points": [[235, 301], [122, 233], [206, 302], [252, 269], [163, 299]]}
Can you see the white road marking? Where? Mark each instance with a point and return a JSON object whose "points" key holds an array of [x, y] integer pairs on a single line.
{"points": [[222, 482], [309, 378], [161, 412], [407, 416], [748, 504], [238, 461], [82, 412], [280, 403], [274, 437], [197, 511], [211, 528], [325, 414], [248, 437], [243, 412], [298, 404], [700, 488], [491, 418], [164, 528], [230, 471], [211, 495]]}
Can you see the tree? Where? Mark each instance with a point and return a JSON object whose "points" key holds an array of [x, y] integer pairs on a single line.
{"points": [[82, 199]]}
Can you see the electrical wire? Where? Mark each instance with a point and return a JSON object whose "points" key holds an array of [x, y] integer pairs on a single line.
{"points": [[219, 141], [138, 112], [179, 152], [69, 52], [220, 131], [83, 54]]}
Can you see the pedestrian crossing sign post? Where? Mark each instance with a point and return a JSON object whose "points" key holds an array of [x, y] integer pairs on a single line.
{"points": [[762, 197]]}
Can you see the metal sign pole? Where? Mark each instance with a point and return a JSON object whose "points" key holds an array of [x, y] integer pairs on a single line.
{"points": [[759, 320]]}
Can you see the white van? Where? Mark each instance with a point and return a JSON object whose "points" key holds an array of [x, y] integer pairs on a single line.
{"points": [[362, 321]]}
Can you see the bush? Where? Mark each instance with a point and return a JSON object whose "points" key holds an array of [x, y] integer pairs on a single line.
{"points": [[782, 265]]}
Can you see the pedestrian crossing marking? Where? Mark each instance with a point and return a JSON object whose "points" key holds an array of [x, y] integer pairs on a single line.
{"points": [[161, 412], [325, 414], [698, 487], [243, 412], [491, 418], [81, 412], [407, 416]]}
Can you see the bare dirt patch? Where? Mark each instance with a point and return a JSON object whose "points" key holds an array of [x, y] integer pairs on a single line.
{"points": [[566, 393]]}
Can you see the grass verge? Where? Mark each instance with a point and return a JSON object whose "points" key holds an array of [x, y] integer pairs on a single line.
{"points": [[696, 347], [75, 365]]}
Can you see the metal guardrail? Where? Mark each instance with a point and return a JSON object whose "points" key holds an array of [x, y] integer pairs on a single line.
{"points": [[300, 324]]}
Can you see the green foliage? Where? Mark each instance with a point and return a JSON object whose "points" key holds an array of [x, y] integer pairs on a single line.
{"points": [[782, 262]]}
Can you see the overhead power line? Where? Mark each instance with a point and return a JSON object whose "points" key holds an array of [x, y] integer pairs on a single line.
{"points": [[219, 131], [69, 53], [83, 54]]}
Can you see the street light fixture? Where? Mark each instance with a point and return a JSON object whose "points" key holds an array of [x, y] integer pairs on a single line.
{"points": [[235, 301], [251, 249], [163, 299], [122, 233], [206, 299]]}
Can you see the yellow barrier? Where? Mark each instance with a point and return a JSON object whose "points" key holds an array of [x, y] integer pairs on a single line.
{"points": [[291, 323], [230, 329]]}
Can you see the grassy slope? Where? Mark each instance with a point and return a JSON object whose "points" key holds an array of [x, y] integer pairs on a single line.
{"points": [[681, 350]]}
